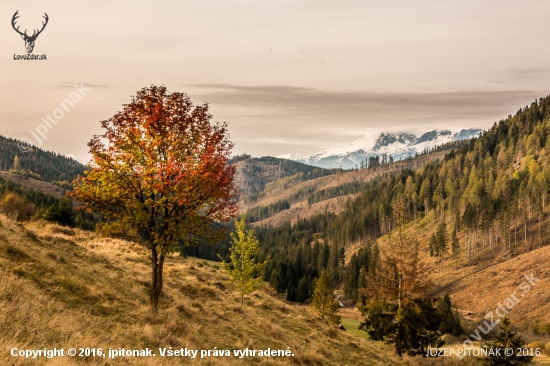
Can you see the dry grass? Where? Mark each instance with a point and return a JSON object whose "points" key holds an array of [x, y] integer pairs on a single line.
{"points": [[67, 288], [39, 185], [481, 284]]}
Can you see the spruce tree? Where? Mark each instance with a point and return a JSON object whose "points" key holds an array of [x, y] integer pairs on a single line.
{"points": [[302, 293], [450, 321], [324, 253], [350, 279], [362, 286], [438, 244], [62, 213], [342, 257], [276, 280], [65, 213], [505, 339], [334, 262], [412, 328]]}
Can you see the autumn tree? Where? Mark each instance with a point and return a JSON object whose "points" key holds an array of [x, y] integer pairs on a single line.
{"points": [[323, 299], [399, 287], [400, 311], [17, 164], [245, 274], [401, 274], [160, 175], [15, 207]]}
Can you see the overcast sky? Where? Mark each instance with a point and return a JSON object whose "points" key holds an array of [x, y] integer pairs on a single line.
{"points": [[288, 76]]}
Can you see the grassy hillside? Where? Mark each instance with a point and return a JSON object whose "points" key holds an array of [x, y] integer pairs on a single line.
{"points": [[66, 288], [31, 183], [478, 285]]}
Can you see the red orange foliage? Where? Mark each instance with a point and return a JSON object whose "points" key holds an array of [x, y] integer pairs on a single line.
{"points": [[160, 174]]}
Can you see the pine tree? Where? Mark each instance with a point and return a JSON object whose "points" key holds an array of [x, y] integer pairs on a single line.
{"points": [[63, 213], [505, 339], [302, 293], [334, 262], [342, 257], [245, 274], [450, 321], [324, 254], [276, 280], [350, 278], [413, 328], [323, 299], [438, 244], [362, 286]]}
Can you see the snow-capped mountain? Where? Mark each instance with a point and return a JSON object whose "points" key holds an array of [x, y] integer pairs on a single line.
{"points": [[399, 146]]}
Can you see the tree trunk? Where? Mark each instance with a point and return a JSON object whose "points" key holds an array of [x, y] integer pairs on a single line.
{"points": [[525, 237], [540, 237], [157, 263], [469, 235], [515, 231], [398, 341]]}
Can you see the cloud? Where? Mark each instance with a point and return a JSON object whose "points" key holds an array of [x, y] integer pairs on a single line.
{"points": [[80, 159], [393, 105], [284, 118], [71, 84]]}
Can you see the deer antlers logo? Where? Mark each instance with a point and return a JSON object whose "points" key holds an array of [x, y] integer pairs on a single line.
{"points": [[29, 40]]}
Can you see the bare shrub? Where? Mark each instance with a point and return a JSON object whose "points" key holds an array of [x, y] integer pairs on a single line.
{"points": [[15, 207]]}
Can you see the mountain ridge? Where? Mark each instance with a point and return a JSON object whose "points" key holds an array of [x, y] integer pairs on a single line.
{"points": [[398, 146]]}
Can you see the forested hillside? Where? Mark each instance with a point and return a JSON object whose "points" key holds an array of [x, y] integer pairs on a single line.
{"points": [[492, 192], [46, 165], [257, 176]]}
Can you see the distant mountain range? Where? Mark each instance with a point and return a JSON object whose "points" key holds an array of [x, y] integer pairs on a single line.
{"points": [[397, 145]]}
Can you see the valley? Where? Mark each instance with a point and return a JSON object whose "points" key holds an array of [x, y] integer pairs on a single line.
{"points": [[471, 217], [298, 192]]}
